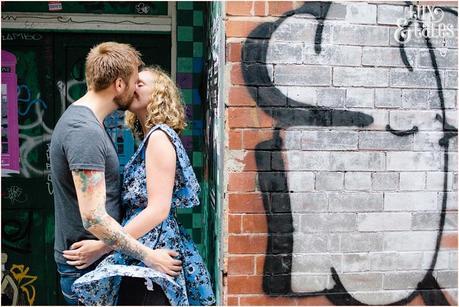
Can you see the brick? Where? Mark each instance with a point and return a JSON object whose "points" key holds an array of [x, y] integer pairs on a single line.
{"points": [[325, 222], [413, 161], [260, 8], [447, 279], [331, 97], [300, 181], [389, 14], [232, 300], [426, 221], [402, 280], [360, 97], [355, 202], [254, 73], [247, 244], [241, 265], [279, 8], [246, 28], [273, 181], [357, 161], [271, 96], [246, 202], [302, 75], [386, 261], [370, 77], [412, 181], [362, 242], [384, 221], [449, 60], [388, 98], [329, 181], [307, 202], [248, 118], [410, 201], [236, 75], [451, 200], [234, 223], [234, 52], [242, 182], [255, 51], [329, 140], [259, 264], [451, 78], [263, 138], [360, 35], [301, 96], [291, 139], [377, 140], [405, 120], [361, 13], [315, 263], [415, 99], [235, 139], [409, 240], [299, 29], [410, 261], [380, 119], [413, 79], [429, 141], [310, 243], [449, 96], [242, 96], [387, 56], [303, 160], [251, 157], [354, 181], [449, 240], [385, 181], [442, 260], [239, 8], [362, 282], [285, 53], [254, 223], [244, 284], [435, 181], [265, 300], [356, 262], [333, 55]]}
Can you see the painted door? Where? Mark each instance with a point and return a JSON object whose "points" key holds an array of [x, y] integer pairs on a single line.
{"points": [[49, 70]]}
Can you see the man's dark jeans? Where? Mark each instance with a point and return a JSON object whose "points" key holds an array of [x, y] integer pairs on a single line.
{"points": [[68, 275]]}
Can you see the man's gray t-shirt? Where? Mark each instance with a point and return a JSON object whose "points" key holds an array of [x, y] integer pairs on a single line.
{"points": [[79, 142]]}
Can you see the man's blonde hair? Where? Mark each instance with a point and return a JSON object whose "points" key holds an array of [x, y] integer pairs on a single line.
{"points": [[165, 105], [108, 61]]}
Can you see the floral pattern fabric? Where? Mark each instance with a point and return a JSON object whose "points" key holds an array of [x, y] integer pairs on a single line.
{"points": [[192, 286]]}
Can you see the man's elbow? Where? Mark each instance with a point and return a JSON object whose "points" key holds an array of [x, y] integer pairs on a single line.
{"points": [[90, 220]]}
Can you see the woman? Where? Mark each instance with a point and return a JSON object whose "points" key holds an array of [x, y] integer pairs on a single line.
{"points": [[157, 180]]}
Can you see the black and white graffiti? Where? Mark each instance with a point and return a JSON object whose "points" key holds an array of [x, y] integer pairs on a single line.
{"points": [[364, 156]]}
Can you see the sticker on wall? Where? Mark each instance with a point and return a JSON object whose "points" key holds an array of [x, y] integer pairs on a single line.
{"points": [[54, 6], [10, 130]]}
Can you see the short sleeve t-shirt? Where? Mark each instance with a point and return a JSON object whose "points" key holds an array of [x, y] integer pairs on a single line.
{"points": [[79, 142]]}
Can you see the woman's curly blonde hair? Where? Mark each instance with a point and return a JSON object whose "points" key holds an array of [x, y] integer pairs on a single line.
{"points": [[165, 105]]}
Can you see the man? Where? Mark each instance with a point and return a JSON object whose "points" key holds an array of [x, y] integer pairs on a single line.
{"points": [[84, 169]]}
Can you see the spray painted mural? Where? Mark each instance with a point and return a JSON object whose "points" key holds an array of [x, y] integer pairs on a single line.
{"points": [[363, 187]]}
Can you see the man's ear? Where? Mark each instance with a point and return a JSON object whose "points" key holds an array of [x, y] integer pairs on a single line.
{"points": [[119, 85]]}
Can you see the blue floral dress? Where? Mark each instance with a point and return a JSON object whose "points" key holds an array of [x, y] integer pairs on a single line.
{"points": [[192, 286]]}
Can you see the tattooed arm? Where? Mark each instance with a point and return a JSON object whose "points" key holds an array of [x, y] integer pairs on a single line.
{"points": [[90, 188]]}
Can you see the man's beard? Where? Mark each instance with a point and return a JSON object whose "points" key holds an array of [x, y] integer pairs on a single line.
{"points": [[123, 101]]}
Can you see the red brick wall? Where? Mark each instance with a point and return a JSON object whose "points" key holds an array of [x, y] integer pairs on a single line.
{"points": [[247, 126]]}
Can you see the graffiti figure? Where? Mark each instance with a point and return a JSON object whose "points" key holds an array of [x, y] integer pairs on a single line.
{"points": [[367, 230]]}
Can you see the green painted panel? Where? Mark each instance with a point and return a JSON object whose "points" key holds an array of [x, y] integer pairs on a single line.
{"points": [[93, 7]]}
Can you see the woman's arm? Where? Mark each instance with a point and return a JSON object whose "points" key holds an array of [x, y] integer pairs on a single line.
{"points": [[160, 159]]}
